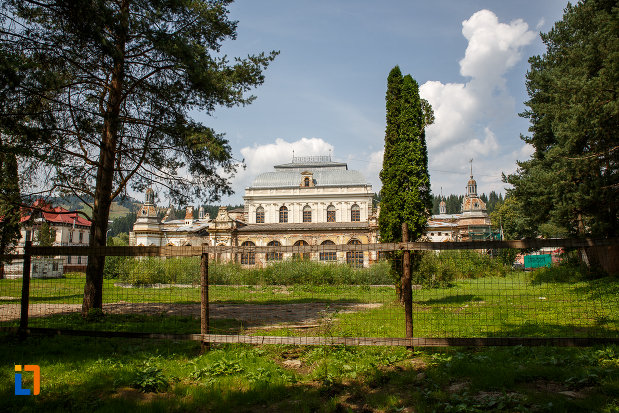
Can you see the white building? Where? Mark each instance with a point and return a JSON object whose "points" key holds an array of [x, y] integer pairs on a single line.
{"points": [[309, 201]]}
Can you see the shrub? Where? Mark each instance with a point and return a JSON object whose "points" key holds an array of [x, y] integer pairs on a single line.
{"points": [[141, 271], [442, 268]]}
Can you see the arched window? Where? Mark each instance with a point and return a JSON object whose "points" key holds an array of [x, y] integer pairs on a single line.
{"points": [[330, 213], [274, 256], [355, 213], [303, 256], [283, 214], [354, 258], [328, 255], [248, 258], [259, 215], [307, 213]]}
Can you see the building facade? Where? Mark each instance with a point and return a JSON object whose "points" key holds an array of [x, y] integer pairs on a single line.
{"points": [[309, 201], [472, 223], [67, 228]]}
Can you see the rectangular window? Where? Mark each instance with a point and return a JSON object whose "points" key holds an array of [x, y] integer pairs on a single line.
{"points": [[328, 256], [355, 215], [259, 217], [79, 260], [81, 237], [331, 216], [68, 259], [70, 236], [307, 216]]}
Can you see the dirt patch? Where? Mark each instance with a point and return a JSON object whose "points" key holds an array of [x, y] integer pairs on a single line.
{"points": [[300, 315]]}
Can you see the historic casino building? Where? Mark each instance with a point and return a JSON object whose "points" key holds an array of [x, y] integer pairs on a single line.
{"points": [[309, 201]]}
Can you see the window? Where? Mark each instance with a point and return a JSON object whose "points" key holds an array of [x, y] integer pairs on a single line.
{"points": [[306, 181], [79, 259], [328, 255], [354, 258], [304, 256], [307, 213], [28, 236], [355, 213], [439, 234], [81, 237], [55, 266], [330, 213], [283, 214], [260, 215], [70, 236], [274, 256], [248, 258], [68, 259]]}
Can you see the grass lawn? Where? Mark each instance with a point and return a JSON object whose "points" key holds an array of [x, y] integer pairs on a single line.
{"points": [[518, 305], [114, 375]]}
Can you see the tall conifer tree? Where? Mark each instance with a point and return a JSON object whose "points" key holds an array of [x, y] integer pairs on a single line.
{"points": [[405, 193]]}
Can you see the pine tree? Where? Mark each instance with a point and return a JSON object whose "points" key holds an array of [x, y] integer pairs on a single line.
{"points": [[572, 178], [118, 83]]}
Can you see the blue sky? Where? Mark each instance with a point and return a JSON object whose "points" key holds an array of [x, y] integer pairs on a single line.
{"points": [[326, 89]]}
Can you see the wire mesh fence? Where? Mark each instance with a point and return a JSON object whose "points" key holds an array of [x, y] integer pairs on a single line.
{"points": [[475, 293]]}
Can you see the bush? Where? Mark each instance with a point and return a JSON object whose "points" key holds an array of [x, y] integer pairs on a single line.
{"points": [[442, 268], [141, 271]]}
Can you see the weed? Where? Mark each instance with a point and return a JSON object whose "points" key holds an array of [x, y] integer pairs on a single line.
{"points": [[150, 379]]}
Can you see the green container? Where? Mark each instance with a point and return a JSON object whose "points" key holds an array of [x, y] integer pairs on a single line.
{"points": [[537, 261]]}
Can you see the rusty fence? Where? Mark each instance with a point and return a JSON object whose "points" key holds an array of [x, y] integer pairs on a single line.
{"points": [[479, 293]]}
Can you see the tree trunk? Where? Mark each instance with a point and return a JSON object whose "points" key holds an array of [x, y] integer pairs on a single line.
{"points": [[407, 290], [93, 289]]}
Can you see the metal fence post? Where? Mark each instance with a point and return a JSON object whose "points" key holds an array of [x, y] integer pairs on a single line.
{"points": [[204, 313], [407, 290], [25, 291]]}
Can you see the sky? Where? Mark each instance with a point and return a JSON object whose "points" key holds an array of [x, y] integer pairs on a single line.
{"points": [[325, 92]]}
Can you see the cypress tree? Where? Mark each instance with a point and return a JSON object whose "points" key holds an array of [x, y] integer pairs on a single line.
{"points": [[405, 193]]}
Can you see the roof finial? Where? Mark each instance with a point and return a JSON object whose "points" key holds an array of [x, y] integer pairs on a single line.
{"points": [[329, 154], [471, 161], [293, 155]]}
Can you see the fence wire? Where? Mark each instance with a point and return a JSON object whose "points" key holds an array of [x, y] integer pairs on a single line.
{"points": [[328, 295]]}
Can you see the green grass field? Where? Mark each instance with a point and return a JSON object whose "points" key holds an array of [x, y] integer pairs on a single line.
{"points": [[112, 375], [115, 374], [517, 305]]}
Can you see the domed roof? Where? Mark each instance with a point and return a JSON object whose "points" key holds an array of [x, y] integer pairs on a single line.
{"points": [[325, 177]]}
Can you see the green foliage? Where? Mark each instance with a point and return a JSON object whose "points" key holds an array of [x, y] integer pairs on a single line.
{"points": [[441, 269], [46, 236], [405, 194], [150, 379], [9, 201], [141, 271], [122, 224], [572, 179]]}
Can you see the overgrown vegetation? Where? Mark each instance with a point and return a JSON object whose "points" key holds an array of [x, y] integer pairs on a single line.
{"points": [[141, 271], [434, 270], [79, 374]]}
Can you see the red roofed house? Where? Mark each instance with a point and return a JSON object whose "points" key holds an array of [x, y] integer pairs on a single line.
{"points": [[69, 228]]}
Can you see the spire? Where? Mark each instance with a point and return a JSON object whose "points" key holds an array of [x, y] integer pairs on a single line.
{"points": [[471, 161]]}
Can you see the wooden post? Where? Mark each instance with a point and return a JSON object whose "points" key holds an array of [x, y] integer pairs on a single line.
{"points": [[407, 290], [25, 291], [204, 313]]}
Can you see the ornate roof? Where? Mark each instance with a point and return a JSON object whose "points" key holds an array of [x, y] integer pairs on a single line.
{"points": [[282, 179]]}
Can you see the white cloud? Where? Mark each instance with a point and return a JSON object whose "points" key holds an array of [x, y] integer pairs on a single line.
{"points": [[465, 113]]}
